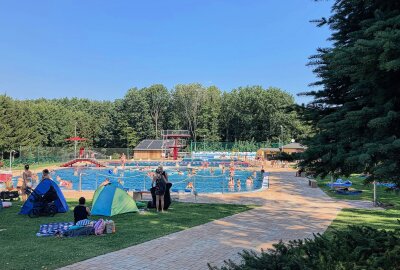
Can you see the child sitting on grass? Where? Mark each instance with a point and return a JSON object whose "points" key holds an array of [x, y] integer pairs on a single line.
{"points": [[81, 211]]}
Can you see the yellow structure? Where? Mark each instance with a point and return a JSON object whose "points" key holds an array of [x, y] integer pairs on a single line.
{"points": [[152, 149], [288, 148]]}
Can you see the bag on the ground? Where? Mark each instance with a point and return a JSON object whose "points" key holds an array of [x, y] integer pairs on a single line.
{"points": [[110, 226], [99, 227], [150, 204]]}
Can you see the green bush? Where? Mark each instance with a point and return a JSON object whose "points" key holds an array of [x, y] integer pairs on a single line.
{"points": [[355, 248], [116, 156]]}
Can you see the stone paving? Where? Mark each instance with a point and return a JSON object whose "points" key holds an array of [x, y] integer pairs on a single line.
{"points": [[290, 209]]}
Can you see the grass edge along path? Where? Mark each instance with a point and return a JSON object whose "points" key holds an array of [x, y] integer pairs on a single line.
{"points": [[20, 248], [376, 218]]}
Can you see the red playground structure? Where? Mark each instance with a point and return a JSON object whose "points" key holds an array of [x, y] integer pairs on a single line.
{"points": [[179, 137]]}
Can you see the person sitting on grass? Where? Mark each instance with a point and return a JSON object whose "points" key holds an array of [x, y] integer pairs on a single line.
{"points": [[81, 211]]}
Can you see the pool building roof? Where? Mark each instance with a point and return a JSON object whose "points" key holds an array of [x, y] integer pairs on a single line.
{"points": [[153, 145]]}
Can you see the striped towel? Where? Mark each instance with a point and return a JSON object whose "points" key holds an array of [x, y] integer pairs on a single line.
{"points": [[51, 228]]}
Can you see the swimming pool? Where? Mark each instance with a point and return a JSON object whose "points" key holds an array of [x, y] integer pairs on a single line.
{"points": [[204, 181]]}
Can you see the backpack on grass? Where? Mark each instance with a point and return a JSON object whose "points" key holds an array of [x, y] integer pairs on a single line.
{"points": [[99, 227]]}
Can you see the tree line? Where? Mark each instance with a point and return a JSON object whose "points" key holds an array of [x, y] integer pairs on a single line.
{"points": [[243, 114]]}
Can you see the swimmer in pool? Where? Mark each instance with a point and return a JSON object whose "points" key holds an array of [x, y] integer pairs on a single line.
{"points": [[105, 182], [64, 183], [249, 181], [120, 181], [189, 185], [238, 183], [231, 182]]}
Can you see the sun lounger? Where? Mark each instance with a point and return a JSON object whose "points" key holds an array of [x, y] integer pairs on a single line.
{"points": [[340, 183]]}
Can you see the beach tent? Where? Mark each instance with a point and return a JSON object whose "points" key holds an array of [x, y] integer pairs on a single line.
{"points": [[111, 199], [41, 189]]}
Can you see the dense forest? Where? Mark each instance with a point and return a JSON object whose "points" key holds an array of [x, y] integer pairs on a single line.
{"points": [[243, 114]]}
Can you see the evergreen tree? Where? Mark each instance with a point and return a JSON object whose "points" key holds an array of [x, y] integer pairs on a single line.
{"points": [[357, 110]]}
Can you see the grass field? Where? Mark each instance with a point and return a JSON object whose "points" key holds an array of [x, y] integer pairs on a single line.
{"points": [[36, 166], [20, 248], [367, 191], [380, 219]]}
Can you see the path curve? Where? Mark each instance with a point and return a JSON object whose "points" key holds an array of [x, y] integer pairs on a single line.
{"points": [[290, 209]]}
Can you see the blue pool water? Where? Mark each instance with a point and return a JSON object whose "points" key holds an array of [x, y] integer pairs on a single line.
{"points": [[184, 163], [137, 179]]}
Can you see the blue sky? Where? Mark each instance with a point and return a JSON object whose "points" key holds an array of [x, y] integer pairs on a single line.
{"points": [[99, 49]]}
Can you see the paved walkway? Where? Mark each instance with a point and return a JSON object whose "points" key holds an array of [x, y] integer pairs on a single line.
{"points": [[290, 209]]}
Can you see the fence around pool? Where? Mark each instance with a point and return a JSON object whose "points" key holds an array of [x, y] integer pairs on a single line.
{"points": [[140, 179]]}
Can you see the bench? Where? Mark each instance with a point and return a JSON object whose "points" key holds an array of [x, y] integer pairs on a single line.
{"points": [[138, 195]]}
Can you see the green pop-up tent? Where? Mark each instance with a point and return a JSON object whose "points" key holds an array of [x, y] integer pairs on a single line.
{"points": [[111, 199]]}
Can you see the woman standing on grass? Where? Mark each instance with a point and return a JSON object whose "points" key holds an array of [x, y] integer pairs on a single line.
{"points": [[26, 182], [160, 187]]}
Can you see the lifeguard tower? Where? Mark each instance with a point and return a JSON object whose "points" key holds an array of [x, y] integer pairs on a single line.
{"points": [[179, 137]]}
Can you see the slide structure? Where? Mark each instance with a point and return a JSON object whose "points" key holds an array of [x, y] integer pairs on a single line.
{"points": [[76, 160]]}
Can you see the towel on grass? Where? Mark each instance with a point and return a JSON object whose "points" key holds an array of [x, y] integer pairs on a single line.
{"points": [[388, 185], [51, 228]]}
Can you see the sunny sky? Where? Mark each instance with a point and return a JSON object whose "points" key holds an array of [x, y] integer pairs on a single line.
{"points": [[99, 49]]}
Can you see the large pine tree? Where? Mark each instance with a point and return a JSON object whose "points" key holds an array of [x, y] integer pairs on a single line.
{"points": [[356, 112]]}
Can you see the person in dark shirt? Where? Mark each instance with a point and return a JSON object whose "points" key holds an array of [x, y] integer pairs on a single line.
{"points": [[81, 211], [159, 182]]}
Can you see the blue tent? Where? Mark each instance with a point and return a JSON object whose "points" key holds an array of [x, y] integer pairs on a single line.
{"points": [[41, 189], [111, 199]]}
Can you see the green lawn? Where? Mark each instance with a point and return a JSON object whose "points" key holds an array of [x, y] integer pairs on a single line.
{"points": [[20, 248], [367, 191], [34, 166], [380, 219]]}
